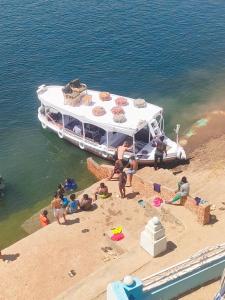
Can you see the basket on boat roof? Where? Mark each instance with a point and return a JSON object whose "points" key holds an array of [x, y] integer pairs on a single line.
{"points": [[105, 96], [121, 118], [72, 92], [117, 110], [140, 103], [98, 111], [121, 101]]}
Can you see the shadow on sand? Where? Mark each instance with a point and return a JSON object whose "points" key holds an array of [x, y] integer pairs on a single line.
{"points": [[71, 222], [132, 195], [170, 247], [10, 257]]}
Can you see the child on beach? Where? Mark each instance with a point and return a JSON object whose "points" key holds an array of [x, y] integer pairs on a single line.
{"points": [[122, 184], [133, 166], [102, 191], [43, 218], [85, 202], [73, 204], [118, 168], [58, 210]]}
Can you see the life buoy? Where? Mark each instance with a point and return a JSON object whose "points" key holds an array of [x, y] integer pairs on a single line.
{"points": [[104, 154], [60, 134], [44, 126], [81, 145]]}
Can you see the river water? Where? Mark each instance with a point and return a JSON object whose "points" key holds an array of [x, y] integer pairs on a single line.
{"points": [[168, 52]]}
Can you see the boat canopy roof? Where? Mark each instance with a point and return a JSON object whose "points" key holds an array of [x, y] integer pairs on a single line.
{"points": [[136, 118]]}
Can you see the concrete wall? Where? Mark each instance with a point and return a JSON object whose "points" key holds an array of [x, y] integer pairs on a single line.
{"points": [[174, 287], [145, 187]]}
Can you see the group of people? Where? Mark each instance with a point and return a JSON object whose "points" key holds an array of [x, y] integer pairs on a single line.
{"points": [[124, 177], [123, 170], [63, 205]]}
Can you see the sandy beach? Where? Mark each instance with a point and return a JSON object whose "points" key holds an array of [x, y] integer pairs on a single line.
{"points": [[37, 266]]}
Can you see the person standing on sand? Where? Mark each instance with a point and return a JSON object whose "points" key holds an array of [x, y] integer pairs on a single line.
{"points": [[122, 184], [58, 210], [118, 168], [132, 169], [122, 149], [159, 151]]}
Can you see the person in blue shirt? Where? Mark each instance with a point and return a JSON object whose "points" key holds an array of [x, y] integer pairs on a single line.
{"points": [[72, 205]]}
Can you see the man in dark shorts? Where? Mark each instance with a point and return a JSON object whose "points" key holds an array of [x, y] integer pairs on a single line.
{"points": [[159, 151]]}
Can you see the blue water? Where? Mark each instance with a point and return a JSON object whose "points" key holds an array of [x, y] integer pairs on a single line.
{"points": [[169, 52]]}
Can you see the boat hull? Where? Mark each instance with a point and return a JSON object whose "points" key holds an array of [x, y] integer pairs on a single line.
{"points": [[93, 148]]}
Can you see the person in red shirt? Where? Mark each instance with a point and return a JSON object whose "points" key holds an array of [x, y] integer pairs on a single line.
{"points": [[44, 221]]}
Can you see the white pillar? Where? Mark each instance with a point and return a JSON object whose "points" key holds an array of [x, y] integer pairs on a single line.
{"points": [[153, 238]]}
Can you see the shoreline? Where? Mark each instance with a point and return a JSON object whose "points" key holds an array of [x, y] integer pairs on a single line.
{"points": [[202, 131], [54, 241]]}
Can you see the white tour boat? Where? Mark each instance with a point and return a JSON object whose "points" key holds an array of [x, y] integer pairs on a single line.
{"points": [[99, 122]]}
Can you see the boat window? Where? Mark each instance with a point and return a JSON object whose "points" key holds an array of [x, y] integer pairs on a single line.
{"points": [[73, 125], [94, 133], [53, 115], [116, 139], [142, 138]]}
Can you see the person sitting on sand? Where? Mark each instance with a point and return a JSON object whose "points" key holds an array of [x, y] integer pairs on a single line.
{"points": [[122, 184], [43, 218], [122, 149], [118, 168], [73, 204], [102, 191], [133, 166], [58, 210], [64, 201], [86, 202], [182, 191]]}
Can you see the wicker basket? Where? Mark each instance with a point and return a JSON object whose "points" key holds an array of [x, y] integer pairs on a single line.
{"points": [[105, 96], [86, 100], [98, 111], [140, 103], [121, 118], [72, 99], [117, 110], [121, 101]]}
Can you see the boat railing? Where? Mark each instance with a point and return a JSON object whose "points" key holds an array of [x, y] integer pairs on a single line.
{"points": [[194, 262]]}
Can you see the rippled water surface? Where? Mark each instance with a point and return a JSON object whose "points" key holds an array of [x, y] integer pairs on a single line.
{"points": [[169, 52]]}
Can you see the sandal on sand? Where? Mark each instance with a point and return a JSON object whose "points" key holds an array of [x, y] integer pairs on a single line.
{"points": [[72, 273]]}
